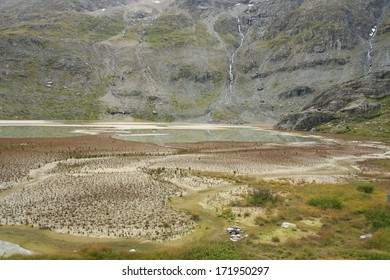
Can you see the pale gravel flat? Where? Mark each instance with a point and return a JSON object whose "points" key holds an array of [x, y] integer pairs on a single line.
{"points": [[8, 249]]}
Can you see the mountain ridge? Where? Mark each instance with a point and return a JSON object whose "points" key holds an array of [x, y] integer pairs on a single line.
{"points": [[207, 61]]}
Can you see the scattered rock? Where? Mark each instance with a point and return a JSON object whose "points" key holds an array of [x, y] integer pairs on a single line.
{"points": [[287, 225], [365, 236], [236, 233]]}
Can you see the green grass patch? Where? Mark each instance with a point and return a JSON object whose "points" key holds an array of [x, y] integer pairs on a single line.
{"points": [[49, 104], [223, 115], [363, 254], [325, 202], [99, 253], [278, 40], [380, 240], [380, 218], [208, 98], [72, 25], [261, 196], [223, 250], [171, 30], [227, 28], [228, 215], [203, 37], [366, 188], [178, 103]]}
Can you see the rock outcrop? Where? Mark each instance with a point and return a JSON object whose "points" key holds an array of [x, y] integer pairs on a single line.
{"points": [[358, 98]]}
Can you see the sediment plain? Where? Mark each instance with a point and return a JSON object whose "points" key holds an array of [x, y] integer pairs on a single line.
{"points": [[98, 187]]}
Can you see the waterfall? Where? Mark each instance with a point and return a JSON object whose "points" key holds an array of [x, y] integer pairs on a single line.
{"points": [[231, 63], [226, 97], [371, 47]]}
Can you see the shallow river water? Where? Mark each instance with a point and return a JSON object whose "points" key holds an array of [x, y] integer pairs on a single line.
{"points": [[159, 133]]}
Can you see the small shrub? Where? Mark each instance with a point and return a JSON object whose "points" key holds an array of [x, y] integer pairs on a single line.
{"points": [[195, 216], [379, 218], [260, 220], [366, 188], [275, 239], [99, 253], [380, 240], [324, 202], [222, 250], [292, 243], [258, 196], [306, 254], [166, 225], [228, 214]]}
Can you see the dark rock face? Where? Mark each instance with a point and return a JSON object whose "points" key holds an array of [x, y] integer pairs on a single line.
{"points": [[296, 92], [305, 120]]}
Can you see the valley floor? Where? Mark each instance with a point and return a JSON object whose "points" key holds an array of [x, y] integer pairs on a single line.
{"points": [[98, 197]]}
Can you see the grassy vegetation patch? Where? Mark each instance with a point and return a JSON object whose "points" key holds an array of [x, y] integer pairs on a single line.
{"points": [[325, 202], [179, 103], [49, 105], [179, 30], [205, 100], [380, 218], [261, 196], [228, 30], [228, 215], [68, 25], [171, 29], [99, 253], [224, 250], [225, 115], [309, 27], [203, 37], [363, 254], [280, 235], [278, 40], [366, 188], [380, 240]]}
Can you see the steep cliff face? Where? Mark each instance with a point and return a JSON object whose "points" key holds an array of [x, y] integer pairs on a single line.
{"points": [[360, 101], [206, 60]]}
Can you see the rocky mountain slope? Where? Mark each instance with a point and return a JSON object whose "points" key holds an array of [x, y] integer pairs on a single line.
{"points": [[297, 63]]}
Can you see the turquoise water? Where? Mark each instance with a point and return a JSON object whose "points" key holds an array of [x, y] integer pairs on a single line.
{"points": [[158, 133]]}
